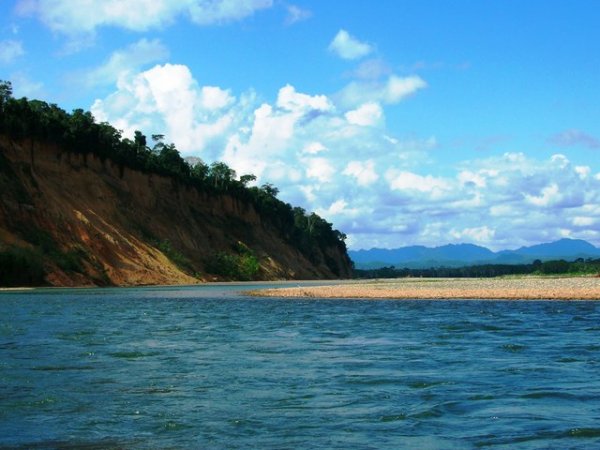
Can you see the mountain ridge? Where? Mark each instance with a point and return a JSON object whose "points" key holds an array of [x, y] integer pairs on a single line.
{"points": [[456, 255]]}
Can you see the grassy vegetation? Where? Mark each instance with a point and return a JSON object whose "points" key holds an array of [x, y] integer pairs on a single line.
{"points": [[176, 257], [241, 264], [69, 261]]}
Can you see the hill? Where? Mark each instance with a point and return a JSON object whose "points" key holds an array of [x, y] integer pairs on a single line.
{"points": [[418, 257], [82, 206]]}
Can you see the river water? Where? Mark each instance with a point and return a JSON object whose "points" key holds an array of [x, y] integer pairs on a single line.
{"points": [[205, 367]]}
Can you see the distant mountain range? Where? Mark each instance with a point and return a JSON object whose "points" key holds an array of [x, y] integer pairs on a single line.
{"points": [[458, 255]]}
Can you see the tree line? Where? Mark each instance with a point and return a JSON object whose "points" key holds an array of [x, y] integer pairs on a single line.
{"points": [[554, 267], [30, 121]]}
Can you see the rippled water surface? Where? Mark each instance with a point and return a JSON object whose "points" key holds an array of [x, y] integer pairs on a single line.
{"points": [[204, 367]]}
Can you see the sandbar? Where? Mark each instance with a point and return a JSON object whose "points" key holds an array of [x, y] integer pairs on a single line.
{"points": [[508, 288]]}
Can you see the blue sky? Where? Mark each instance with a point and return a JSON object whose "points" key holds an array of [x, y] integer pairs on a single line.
{"points": [[400, 122]]}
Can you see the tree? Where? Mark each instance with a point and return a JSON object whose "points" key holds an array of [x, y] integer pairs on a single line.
{"points": [[221, 175], [140, 141], [270, 190], [5, 92], [199, 172], [245, 179]]}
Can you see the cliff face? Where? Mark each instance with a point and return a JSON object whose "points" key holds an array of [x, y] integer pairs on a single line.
{"points": [[97, 223]]}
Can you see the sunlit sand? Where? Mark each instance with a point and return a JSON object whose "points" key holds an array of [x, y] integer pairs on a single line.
{"points": [[567, 288]]}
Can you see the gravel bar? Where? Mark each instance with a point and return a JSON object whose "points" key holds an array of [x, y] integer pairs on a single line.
{"points": [[517, 288]]}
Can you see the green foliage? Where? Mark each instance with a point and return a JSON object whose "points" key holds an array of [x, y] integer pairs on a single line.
{"points": [[69, 261], [175, 256], [5, 92], [555, 267], [21, 267], [241, 265]]}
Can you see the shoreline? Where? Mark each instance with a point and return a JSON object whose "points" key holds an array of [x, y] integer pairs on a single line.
{"points": [[205, 283], [522, 288], [501, 288]]}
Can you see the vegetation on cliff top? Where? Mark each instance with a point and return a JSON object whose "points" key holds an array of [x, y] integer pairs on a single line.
{"points": [[30, 121]]}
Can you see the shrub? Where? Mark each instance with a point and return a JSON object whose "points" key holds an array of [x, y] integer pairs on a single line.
{"points": [[243, 266]]}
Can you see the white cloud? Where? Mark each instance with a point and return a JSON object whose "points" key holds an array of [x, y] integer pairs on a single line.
{"points": [[214, 98], [480, 235], [365, 115], [397, 88], [503, 211], [10, 50], [377, 188], [129, 59], [296, 14], [294, 101], [337, 208], [167, 100], [84, 16], [560, 160], [580, 221], [320, 169], [312, 148], [270, 136], [390, 91], [408, 181], [363, 172], [548, 195], [372, 69], [348, 47], [468, 177], [583, 171]]}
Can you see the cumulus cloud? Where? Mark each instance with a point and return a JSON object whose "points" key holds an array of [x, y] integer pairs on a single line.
{"points": [[575, 138], [214, 98], [312, 148], [348, 47], [10, 50], [337, 208], [376, 187], [549, 194], [167, 100], [365, 115], [481, 235], [319, 168], [363, 172], [294, 101], [408, 181], [85, 16]]}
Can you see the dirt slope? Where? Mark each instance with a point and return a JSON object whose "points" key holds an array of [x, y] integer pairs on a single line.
{"points": [[99, 223]]}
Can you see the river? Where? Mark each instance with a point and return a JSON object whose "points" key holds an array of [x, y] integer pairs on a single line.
{"points": [[206, 367]]}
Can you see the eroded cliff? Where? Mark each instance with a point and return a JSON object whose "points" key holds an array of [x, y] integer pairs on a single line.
{"points": [[90, 221]]}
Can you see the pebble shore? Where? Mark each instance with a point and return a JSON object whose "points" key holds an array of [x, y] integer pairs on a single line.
{"points": [[567, 288]]}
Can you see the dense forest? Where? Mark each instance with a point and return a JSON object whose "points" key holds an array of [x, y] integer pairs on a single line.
{"points": [[555, 267], [33, 121]]}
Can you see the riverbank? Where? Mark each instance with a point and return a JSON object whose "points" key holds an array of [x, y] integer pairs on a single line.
{"points": [[530, 287]]}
